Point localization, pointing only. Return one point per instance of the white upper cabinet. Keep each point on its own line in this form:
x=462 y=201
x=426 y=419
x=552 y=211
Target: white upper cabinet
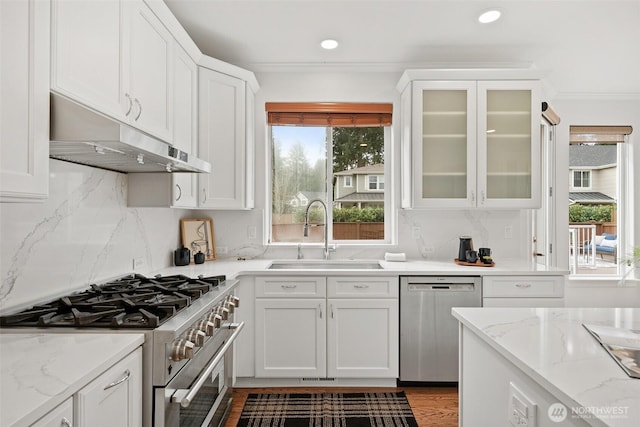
x=114 y=57
x=471 y=144
x=225 y=141
x=24 y=101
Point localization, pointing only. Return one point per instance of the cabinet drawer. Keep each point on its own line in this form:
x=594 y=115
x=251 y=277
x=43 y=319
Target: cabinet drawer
x=291 y=287
x=523 y=302
x=523 y=286
x=56 y=417
x=368 y=287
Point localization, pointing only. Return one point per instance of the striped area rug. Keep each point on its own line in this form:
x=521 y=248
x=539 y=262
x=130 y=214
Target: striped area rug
x=327 y=410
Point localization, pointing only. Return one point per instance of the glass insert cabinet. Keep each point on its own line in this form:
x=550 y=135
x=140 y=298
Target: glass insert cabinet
x=472 y=144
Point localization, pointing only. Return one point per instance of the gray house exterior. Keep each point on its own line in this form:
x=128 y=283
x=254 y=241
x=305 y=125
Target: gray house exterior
x=361 y=187
x=593 y=174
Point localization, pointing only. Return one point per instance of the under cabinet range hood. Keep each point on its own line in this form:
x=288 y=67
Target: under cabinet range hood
x=81 y=135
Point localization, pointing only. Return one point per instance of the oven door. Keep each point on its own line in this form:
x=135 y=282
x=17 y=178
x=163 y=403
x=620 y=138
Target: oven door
x=202 y=398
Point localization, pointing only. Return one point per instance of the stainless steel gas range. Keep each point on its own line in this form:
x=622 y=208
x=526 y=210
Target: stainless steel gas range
x=189 y=330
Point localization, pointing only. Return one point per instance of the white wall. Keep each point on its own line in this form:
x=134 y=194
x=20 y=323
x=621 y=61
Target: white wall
x=82 y=234
x=439 y=229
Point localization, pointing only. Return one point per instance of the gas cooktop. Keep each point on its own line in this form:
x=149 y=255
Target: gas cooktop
x=133 y=301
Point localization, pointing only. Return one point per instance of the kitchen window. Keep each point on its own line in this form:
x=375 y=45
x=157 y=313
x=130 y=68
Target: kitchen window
x=334 y=155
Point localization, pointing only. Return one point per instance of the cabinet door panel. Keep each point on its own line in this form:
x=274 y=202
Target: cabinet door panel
x=57 y=417
x=222 y=140
x=24 y=101
x=149 y=70
x=103 y=403
x=290 y=338
x=508 y=144
x=444 y=144
x=86 y=61
x=362 y=338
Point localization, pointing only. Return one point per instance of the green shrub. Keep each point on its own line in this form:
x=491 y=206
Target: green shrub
x=341 y=215
x=588 y=213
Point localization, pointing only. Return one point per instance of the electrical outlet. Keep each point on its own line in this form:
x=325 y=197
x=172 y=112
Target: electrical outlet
x=222 y=250
x=138 y=263
x=252 y=232
x=416 y=232
x=427 y=250
x=522 y=410
x=508 y=232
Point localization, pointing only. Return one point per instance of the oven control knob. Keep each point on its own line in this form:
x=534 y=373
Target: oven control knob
x=234 y=299
x=182 y=349
x=205 y=326
x=222 y=311
x=229 y=306
x=215 y=318
x=196 y=336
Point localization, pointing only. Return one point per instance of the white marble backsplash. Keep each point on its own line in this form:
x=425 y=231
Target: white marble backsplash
x=83 y=233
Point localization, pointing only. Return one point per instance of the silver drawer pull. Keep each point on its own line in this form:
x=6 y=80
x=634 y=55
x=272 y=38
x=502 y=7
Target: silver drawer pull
x=65 y=422
x=361 y=286
x=289 y=286
x=523 y=285
x=125 y=377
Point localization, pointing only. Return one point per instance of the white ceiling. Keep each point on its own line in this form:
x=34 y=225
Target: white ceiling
x=586 y=47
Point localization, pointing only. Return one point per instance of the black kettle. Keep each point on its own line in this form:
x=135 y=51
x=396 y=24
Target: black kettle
x=182 y=256
x=466 y=244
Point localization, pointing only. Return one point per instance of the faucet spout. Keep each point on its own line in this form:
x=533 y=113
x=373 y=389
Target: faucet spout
x=326 y=226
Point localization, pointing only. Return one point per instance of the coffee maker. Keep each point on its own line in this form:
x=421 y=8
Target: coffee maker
x=466 y=244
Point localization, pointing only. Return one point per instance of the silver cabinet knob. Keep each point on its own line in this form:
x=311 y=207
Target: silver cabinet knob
x=182 y=349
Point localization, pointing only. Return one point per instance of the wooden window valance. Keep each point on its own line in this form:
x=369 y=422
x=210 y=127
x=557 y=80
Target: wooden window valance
x=340 y=114
x=598 y=134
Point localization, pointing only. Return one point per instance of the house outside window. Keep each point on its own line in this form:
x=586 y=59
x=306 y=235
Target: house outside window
x=582 y=179
x=347 y=181
x=376 y=182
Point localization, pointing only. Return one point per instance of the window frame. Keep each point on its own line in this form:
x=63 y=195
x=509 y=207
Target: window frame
x=350 y=185
x=582 y=173
x=390 y=227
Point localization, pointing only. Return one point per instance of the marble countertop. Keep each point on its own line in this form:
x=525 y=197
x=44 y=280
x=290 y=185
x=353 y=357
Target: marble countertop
x=233 y=268
x=40 y=371
x=552 y=347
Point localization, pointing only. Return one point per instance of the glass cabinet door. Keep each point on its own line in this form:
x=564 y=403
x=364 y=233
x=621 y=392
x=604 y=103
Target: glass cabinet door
x=444 y=144
x=508 y=144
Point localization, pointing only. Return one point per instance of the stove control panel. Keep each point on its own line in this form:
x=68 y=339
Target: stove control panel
x=184 y=347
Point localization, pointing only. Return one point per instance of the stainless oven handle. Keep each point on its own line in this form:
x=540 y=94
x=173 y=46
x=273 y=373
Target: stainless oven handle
x=185 y=396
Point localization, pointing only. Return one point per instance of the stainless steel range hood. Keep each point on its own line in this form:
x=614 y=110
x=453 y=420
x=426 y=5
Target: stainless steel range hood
x=83 y=136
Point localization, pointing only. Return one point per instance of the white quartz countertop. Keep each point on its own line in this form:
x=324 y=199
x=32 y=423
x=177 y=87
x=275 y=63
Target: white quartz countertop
x=40 y=371
x=233 y=268
x=555 y=350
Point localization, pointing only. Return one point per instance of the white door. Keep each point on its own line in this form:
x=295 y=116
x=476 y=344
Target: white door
x=185 y=120
x=221 y=140
x=362 y=338
x=115 y=397
x=148 y=65
x=290 y=338
x=86 y=37
x=24 y=100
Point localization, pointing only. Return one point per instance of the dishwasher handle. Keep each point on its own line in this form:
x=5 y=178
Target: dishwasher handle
x=425 y=287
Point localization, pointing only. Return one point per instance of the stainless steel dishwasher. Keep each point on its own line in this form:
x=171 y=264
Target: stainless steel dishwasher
x=428 y=330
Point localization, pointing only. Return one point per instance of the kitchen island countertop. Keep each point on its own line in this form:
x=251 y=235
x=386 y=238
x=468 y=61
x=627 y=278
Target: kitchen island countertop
x=233 y=268
x=40 y=371
x=551 y=346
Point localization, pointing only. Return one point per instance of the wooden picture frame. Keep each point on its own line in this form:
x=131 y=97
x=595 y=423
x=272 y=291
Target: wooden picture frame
x=197 y=235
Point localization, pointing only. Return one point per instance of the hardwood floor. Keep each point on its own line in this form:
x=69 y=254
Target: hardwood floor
x=432 y=406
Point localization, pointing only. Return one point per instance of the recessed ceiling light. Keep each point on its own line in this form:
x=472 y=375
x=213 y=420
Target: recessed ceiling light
x=488 y=16
x=329 y=44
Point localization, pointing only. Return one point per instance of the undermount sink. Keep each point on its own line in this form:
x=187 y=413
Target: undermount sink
x=325 y=265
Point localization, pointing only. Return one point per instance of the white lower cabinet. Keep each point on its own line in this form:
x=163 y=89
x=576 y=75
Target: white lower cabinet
x=114 y=398
x=523 y=291
x=290 y=338
x=62 y=416
x=302 y=334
